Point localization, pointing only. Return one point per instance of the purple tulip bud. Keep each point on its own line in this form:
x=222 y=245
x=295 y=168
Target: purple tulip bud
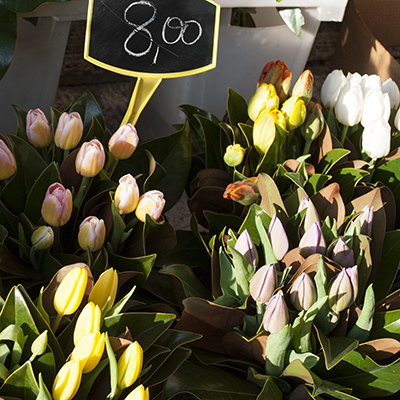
x=245 y=246
x=344 y=289
x=263 y=283
x=342 y=254
x=365 y=218
x=303 y=204
x=312 y=241
x=276 y=315
x=303 y=293
x=278 y=238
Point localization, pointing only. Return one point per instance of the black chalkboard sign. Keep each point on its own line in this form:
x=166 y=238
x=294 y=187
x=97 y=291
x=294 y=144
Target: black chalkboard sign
x=157 y=38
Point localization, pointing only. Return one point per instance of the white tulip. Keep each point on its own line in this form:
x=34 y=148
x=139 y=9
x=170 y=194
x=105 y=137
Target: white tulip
x=376 y=138
x=354 y=78
x=331 y=87
x=376 y=105
x=369 y=82
x=397 y=120
x=349 y=105
x=390 y=87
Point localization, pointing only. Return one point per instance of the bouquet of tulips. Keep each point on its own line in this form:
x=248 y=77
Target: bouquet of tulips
x=78 y=342
x=65 y=199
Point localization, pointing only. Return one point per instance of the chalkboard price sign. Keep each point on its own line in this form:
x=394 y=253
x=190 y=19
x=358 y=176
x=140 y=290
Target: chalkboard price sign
x=153 y=38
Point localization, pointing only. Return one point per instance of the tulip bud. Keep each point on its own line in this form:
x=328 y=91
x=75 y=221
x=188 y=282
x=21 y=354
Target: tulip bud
x=67 y=381
x=264 y=129
x=343 y=289
x=303 y=88
x=342 y=254
x=71 y=290
x=312 y=241
x=105 y=290
x=127 y=194
x=276 y=315
x=88 y=321
x=42 y=237
x=311 y=215
x=314 y=123
x=263 y=98
x=57 y=205
x=376 y=106
x=244 y=192
x=263 y=283
x=295 y=112
x=245 y=246
x=277 y=73
x=365 y=219
x=92 y=233
x=331 y=87
x=390 y=87
x=69 y=131
x=38 y=129
x=124 y=142
x=89 y=350
x=151 y=203
x=90 y=159
x=349 y=105
x=139 y=393
x=376 y=138
x=130 y=365
x=8 y=165
x=278 y=238
x=303 y=293
x=234 y=155
x=370 y=82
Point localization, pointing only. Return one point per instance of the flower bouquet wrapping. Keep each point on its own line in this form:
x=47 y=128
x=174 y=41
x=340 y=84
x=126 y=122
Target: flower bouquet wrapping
x=302 y=245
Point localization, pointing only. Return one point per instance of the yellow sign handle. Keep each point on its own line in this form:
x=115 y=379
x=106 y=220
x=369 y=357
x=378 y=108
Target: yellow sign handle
x=144 y=89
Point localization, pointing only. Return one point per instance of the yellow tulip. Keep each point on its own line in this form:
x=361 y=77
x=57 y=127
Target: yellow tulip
x=90 y=159
x=130 y=365
x=105 y=289
x=234 y=155
x=38 y=129
x=264 y=129
x=42 y=237
x=263 y=98
x=89 y=350
x=127 y=194
x=295 y=112
x=69 y=131
x=8 y=165
x=89 y=321
x=151 y=203
x=92 y=233
x=124 y=142
x=71 y=290
x=57 y=205
x=67 y=381
x=139 y=393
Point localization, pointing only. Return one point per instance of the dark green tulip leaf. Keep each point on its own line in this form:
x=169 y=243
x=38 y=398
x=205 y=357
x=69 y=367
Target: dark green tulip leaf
x=21 y=384
x=237 y=113
x=386 y=325
x=21 y=118
x=44 y=393
x=190 y=283
x=207 y=382
x=8 y=36
x=347 y=178
x=389 y=264
x=146 y=328
x=113 y=368
x=331 y=158
x=335 y=348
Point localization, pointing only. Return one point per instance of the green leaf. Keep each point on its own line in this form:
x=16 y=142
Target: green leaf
x=389 y=265
x=190 y=283
x=347 y=178
x=8 y=37
x=364 y=376
x=117 y=308
x=146 y=328
x=331 y=158
x=335 y=348
x=21 y=384
x=228 y=282
x=293 y=19
x=386 y=325
x=250 y=222
x=207 y=382
x=315 y=183
x=44 y=393
x=237 y=113
x=270 y=390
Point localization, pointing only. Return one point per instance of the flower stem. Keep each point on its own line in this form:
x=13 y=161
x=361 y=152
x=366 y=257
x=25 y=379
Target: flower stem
x=56 y=323
x=307 y=147
x=66 y=154
x=83 y=189
x=344 y=134
x=260 y=313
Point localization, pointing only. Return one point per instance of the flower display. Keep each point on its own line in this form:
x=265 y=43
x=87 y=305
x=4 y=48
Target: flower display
x=57 y=205
x=69 y=130
x=38 y=130
x=92 y=233
x=150 y=203
x=90 y=159
x=123 y=142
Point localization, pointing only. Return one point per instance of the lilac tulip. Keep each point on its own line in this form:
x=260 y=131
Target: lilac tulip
x=276 y=315
x=344 y=289
x=303 y=293
x=245 y=246
x=342 y=254
x=312 y=241
x=263 y=283
x=278 y=238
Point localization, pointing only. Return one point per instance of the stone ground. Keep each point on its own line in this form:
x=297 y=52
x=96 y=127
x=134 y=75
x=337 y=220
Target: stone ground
x=113 y=91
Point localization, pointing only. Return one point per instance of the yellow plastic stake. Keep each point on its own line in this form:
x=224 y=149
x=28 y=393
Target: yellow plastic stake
x=144 y=89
